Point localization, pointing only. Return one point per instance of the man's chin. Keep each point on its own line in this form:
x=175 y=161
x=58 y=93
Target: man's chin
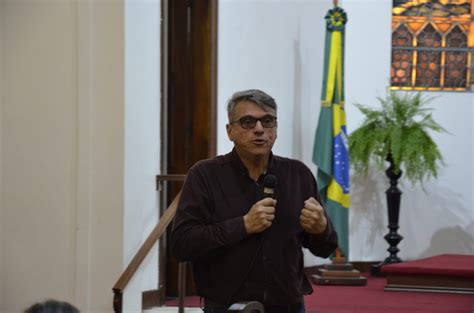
x=260 y=152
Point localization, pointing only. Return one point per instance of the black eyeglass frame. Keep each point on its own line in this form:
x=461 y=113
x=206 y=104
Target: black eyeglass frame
x=254 y=121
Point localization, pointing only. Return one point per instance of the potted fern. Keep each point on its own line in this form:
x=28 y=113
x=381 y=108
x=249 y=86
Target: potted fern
x=397 y=132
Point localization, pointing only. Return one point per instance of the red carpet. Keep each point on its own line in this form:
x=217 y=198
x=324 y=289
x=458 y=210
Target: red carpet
x=445 y=264
x=373 y=299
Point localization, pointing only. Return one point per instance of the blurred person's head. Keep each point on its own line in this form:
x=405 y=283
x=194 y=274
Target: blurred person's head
x=52 y=306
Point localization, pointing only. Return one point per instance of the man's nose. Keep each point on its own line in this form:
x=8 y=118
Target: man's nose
x=258 y=126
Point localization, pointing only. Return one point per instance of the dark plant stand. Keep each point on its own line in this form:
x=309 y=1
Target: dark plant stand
x=393 y=203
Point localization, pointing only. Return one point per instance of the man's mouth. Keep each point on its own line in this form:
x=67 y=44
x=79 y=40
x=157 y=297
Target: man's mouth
x=259 y=141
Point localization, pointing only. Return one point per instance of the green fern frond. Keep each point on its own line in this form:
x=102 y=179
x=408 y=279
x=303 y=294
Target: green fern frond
x=400 y=128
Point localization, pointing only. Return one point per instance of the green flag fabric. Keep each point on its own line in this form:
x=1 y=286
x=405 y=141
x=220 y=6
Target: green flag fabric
x=330 y=152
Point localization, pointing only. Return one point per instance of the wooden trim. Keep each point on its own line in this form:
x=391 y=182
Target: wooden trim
x=361 y=266
x=117 y=302
x=164 y=98
x=164 y=47
x=191 y=104
x=213 y=77
x=364 y=267
x=151 y=299
x=427 y=280
x=170 y=177
x=160 y=179
x=429 y=289
x=159 y=229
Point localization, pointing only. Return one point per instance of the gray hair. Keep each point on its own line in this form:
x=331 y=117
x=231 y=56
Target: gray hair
x=52 y=306
x=260 y=98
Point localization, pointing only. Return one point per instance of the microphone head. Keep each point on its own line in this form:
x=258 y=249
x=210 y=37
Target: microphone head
x=269 y=184
x=270 y=181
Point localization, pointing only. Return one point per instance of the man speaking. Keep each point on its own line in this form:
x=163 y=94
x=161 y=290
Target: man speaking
x=244 y=217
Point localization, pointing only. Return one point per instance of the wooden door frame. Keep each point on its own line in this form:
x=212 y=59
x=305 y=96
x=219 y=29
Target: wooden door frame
x=202 y=34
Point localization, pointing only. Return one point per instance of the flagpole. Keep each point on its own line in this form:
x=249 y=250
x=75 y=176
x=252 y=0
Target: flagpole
x=330 y=134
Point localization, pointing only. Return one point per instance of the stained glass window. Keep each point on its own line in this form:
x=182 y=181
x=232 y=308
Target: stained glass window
x=432 y=44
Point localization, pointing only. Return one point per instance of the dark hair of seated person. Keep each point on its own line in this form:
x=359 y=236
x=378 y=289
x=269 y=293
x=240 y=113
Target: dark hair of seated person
x=52 y=306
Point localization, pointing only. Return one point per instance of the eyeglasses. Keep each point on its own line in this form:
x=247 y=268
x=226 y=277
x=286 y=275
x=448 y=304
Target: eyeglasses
x=249 y=122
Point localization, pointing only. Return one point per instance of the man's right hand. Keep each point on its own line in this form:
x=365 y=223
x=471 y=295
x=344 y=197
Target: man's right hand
x=260 y=216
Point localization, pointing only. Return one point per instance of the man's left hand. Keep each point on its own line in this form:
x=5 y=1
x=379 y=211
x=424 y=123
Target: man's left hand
x=312 y=218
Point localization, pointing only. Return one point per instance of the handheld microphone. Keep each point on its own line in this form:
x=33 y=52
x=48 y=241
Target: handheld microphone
x=269 y=184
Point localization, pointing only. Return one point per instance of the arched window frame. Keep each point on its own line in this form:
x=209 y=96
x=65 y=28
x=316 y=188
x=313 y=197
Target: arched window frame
x=444 y=26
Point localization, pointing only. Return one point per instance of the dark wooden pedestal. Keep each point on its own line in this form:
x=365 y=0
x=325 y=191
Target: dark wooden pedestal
x=339 y=273
x=393 y=203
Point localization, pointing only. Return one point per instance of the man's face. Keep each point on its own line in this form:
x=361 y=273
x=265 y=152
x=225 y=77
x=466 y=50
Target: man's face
x=256 y=141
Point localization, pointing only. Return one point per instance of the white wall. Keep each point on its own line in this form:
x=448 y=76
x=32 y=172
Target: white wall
x=440 y=218
x=277 y=46
x=79 y=148
x=105 y=128
x=62 y=143
x=38 y=125
x=142 y=135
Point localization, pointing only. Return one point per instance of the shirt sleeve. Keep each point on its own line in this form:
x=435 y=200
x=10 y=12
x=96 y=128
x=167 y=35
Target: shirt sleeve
x=194 y=237
x=324 y=244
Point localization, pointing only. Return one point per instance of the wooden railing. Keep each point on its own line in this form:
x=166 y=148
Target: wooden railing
x=155 y=235
x=152 y=239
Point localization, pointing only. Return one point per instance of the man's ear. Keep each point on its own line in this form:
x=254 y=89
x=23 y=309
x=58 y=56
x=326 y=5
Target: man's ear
x=228 y=127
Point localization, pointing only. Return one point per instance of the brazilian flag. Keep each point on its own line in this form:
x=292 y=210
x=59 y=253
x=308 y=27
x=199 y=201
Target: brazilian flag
x=330 y=153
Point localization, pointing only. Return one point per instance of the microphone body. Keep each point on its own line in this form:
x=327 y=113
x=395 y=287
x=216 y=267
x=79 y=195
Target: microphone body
x=269 y=184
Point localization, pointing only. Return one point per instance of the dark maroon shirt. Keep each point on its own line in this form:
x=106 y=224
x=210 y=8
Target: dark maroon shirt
x=228 y=264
